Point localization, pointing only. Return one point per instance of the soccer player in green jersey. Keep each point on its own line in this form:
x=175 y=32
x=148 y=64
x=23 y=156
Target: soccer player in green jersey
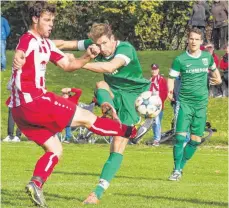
x=192 y=66
x=123 y=82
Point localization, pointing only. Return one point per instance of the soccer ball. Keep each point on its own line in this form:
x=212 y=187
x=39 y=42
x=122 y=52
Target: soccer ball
x=148 y=105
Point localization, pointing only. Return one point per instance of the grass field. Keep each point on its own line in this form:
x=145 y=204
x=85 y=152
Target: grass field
x=140 y=183
x=142 y=180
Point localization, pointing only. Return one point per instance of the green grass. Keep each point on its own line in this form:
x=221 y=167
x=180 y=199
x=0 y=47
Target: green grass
x=140 y=183
x=142 y=179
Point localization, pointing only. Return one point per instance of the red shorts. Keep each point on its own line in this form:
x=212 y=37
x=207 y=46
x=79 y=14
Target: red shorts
x=44 y=117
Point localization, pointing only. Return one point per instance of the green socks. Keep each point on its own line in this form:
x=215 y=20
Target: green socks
x=102 y=96
x=189 y=151
x=110 y=168
x=178 y=150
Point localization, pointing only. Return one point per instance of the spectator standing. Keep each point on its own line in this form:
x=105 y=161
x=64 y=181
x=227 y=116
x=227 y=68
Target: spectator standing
x=220 y=23
x=200 y=15
x=10 y=130
x=158 y=87
x=66 y=93
x=224 y=67
x=5 y=31
x=11 y=123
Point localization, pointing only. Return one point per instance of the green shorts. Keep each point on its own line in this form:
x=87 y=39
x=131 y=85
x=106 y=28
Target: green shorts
x=124 y=104
x=191 y=118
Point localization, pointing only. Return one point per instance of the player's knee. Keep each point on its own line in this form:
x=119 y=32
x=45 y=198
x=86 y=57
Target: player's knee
x=53 y=145
x=102 y=85
x=195 y=138
x=180 y=137
x=58 y=152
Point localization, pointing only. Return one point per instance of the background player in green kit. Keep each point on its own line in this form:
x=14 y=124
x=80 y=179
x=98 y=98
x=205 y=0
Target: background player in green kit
x=123 y=82
x=193 y=67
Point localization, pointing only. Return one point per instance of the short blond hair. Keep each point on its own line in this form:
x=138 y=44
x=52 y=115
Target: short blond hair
x=98 y=30
x=197 y=31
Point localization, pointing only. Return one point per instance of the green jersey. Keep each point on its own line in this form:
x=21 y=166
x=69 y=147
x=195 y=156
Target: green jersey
x=193 y=72
x=128 y=77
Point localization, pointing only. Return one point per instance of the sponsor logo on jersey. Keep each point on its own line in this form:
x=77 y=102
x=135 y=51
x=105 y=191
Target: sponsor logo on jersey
x=205 y=61
x=43 y=66
x=195 y=71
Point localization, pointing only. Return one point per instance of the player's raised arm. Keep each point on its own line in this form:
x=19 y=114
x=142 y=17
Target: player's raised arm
x=70 y=63
x=105 y=67
x=67 y=61
x=66 y=45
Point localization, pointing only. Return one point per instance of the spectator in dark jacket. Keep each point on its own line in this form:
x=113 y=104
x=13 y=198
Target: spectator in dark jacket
x=200 y=15
x=5 y=31
x=220 y=23
x=158 y=87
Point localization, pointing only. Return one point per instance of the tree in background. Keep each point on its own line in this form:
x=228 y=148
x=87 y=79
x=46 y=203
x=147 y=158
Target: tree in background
x=148 y=25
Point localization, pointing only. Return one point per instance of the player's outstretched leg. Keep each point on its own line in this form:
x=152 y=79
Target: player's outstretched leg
x=102 y=126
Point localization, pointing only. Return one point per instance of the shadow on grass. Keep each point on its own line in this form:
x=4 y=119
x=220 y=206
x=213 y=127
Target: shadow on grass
x=18 y=198
x=194 y=201
x=13 y=198
x=95 y=174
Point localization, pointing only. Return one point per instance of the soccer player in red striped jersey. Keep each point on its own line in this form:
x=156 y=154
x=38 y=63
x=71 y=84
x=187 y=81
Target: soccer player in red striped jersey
x=40 y=114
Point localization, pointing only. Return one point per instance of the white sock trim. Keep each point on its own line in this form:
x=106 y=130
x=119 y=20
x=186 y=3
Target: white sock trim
x=104 y=184
x=50 y=162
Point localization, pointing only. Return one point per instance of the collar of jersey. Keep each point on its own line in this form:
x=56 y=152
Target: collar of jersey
x=108 y=57
x=37 y=37
x=194 y=56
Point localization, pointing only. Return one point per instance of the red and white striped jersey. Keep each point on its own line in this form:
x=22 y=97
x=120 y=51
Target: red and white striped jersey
x=28 y=83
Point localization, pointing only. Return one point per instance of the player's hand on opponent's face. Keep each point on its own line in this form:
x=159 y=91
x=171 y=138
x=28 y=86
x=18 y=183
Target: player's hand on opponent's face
x=93 y=51
x=19 y=60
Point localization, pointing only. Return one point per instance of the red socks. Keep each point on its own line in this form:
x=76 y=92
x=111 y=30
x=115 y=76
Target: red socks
x=109 y=127
x=44 y=168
